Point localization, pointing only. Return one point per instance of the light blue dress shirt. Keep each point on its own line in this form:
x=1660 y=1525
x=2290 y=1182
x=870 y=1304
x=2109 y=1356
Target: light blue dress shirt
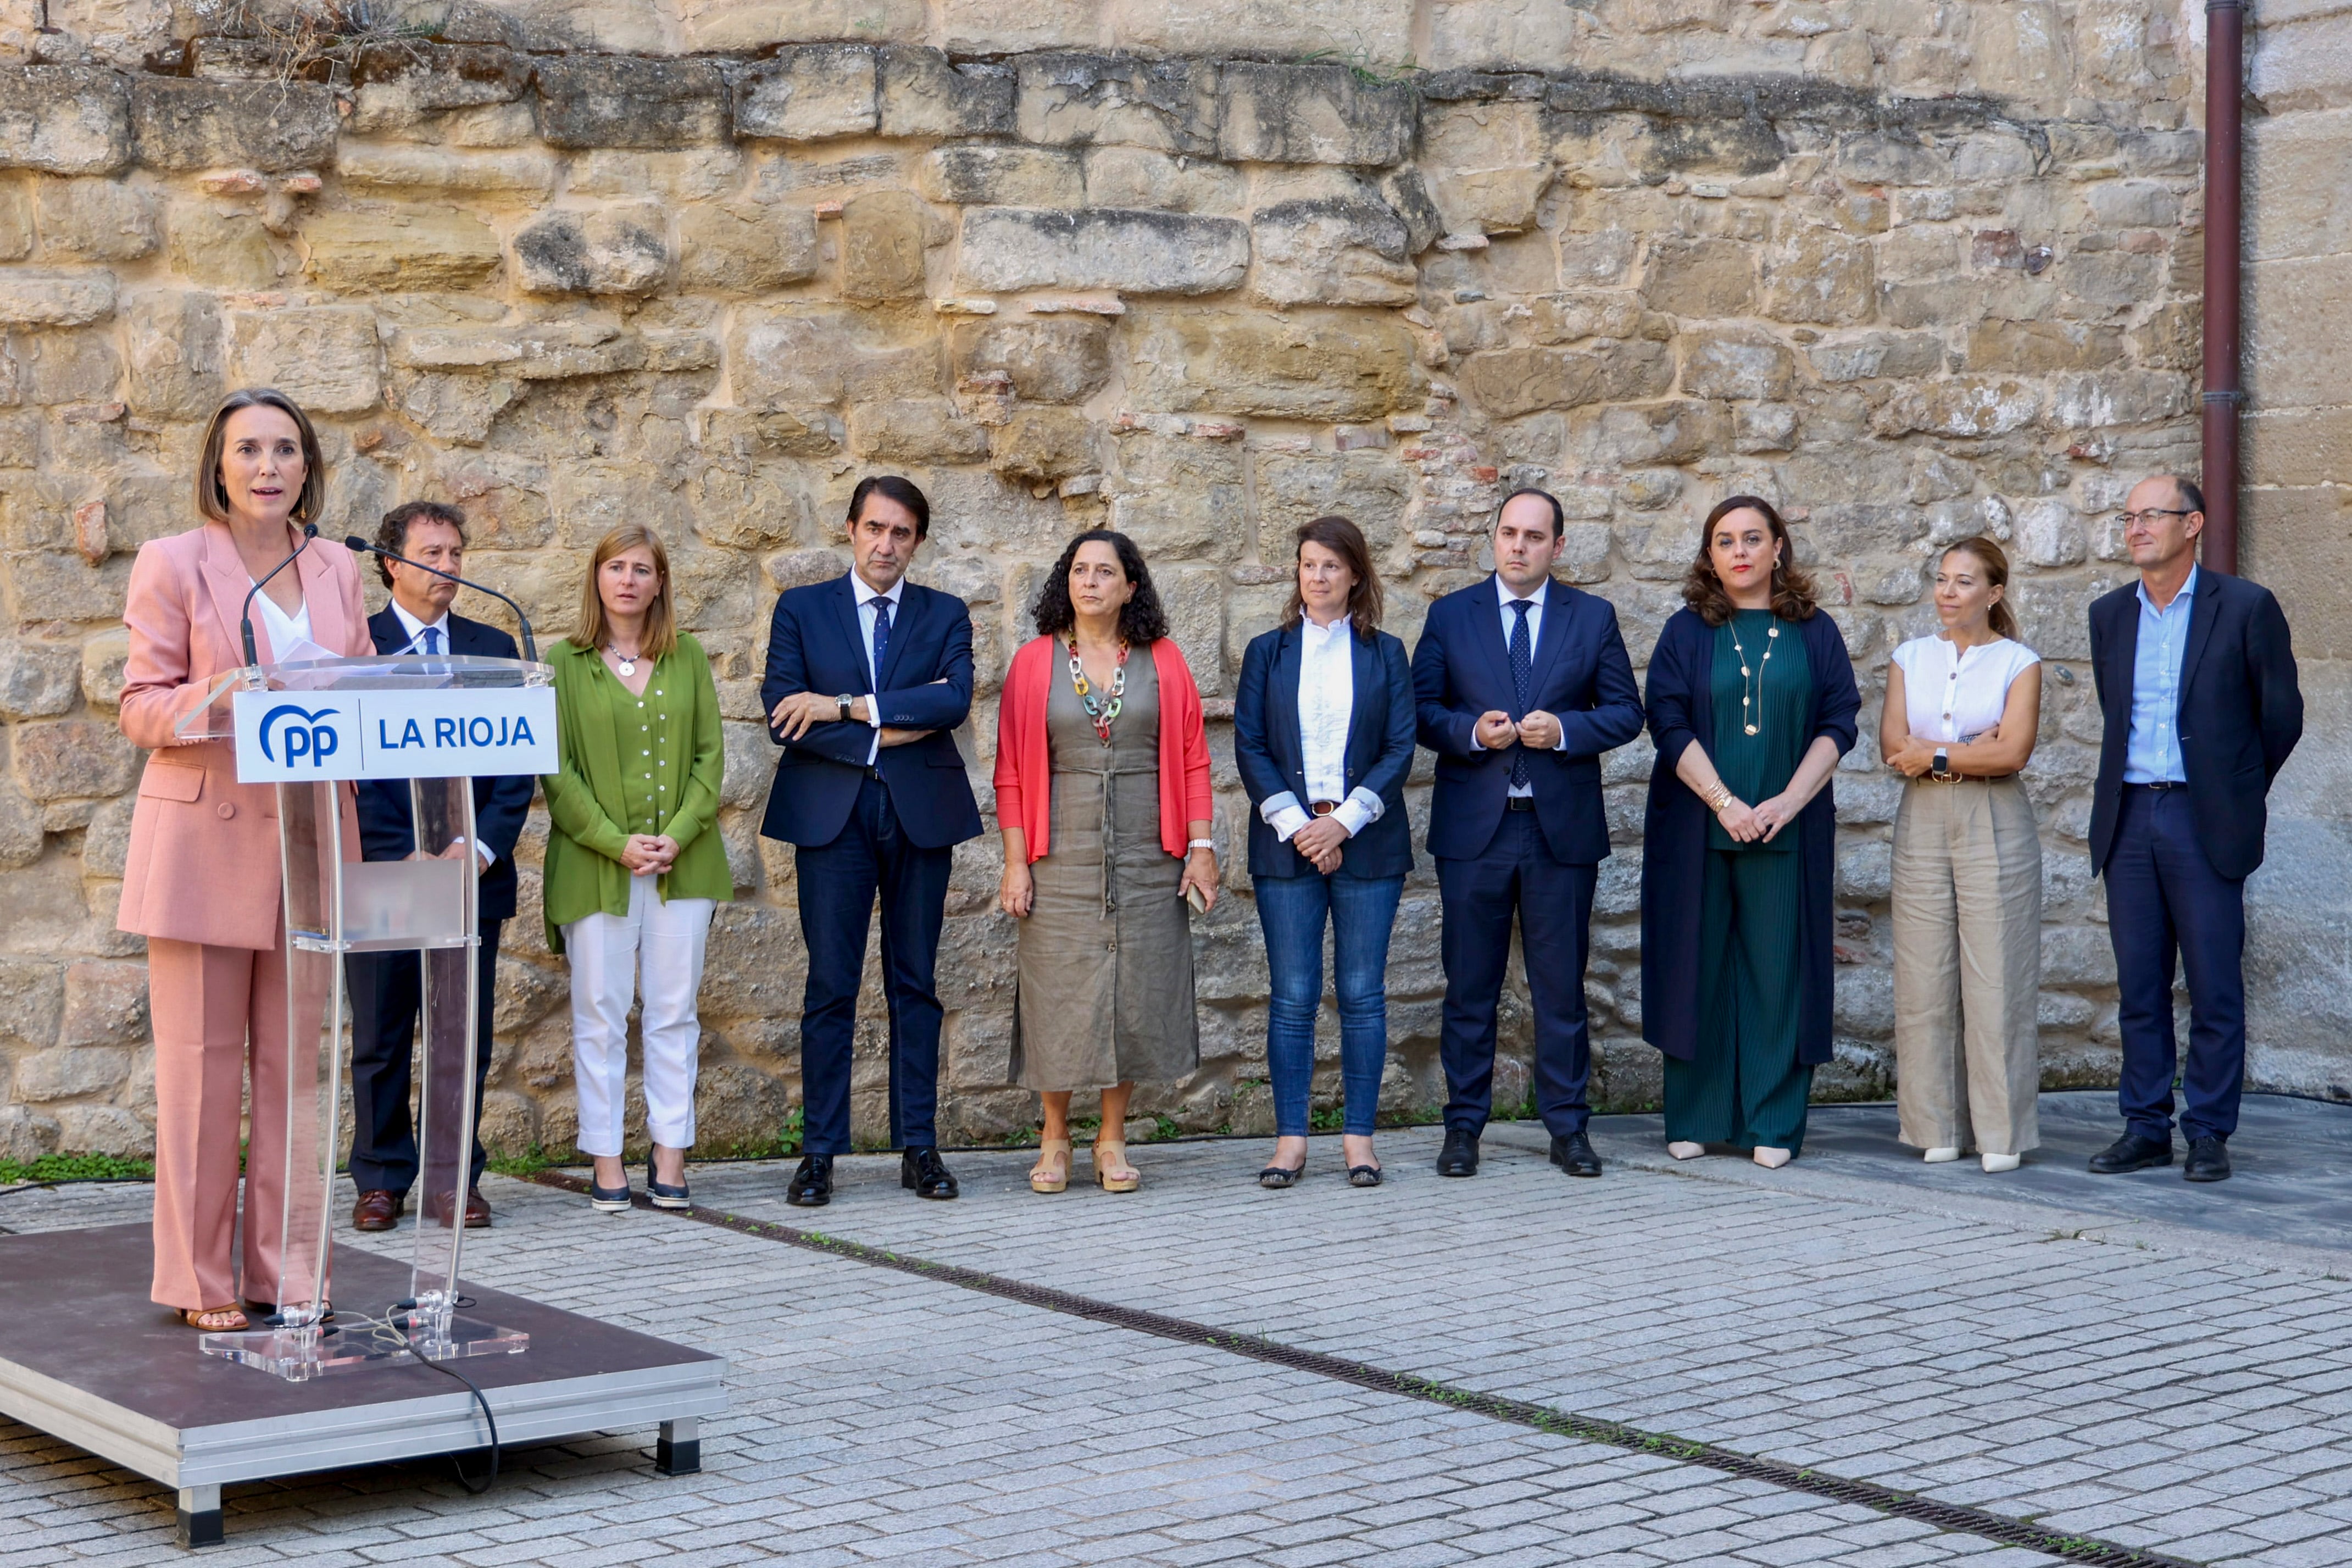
x=2152 y=753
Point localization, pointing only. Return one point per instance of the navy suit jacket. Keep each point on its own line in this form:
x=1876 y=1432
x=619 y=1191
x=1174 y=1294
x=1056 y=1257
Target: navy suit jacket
x=815 y=644
x=387 y=827
x=1462 y=668
x=2241 y=713
x=1270 y=754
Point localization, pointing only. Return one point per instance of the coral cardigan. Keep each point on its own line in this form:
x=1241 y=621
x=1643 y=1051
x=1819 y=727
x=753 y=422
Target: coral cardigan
x=1024 y=795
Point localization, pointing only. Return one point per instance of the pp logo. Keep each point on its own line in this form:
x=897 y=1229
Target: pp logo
x=308 y=738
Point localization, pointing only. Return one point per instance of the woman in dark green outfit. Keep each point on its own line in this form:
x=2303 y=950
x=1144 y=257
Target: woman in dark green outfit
x=634 y=863
x=1751 y=700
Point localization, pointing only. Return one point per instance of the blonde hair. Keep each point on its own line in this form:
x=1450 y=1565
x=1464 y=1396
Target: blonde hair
x=212 y=496
x=1995 y=562
x=661 y=626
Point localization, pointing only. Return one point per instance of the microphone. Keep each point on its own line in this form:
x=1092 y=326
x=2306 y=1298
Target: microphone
x=245 y=618
x=529 y=648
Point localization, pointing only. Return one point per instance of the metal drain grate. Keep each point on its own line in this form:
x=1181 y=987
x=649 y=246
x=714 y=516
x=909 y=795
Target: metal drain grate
x=2087 y=1550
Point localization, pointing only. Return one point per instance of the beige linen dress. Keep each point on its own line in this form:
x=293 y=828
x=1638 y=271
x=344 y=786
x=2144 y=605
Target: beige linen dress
x=1105 y=989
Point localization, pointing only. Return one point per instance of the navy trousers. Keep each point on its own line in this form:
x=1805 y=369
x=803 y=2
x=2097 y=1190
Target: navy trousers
x=1553 y=900
x=838 y=882
x=386 y=990
x=2166 y=901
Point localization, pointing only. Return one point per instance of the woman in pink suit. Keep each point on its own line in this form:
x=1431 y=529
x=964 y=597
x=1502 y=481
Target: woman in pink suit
x=202 y=882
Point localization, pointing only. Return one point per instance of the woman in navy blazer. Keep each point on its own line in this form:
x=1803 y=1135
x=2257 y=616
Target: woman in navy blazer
x=1323 y=732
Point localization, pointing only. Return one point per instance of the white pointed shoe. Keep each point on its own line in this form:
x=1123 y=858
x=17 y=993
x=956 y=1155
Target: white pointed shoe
x=1772 y=1159
x=1942 y=1156
x=1998 y=1162
x=1685 y=1150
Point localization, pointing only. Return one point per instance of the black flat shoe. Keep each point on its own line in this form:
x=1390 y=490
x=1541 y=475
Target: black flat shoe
x=1363 y=1175
x=922 y=1172
x=812 y=1185
x=1460 y=1155
x=1574 y=1154
x=1273 y=1178
x=664 y=1195
x=2208 y=1161
x=2131 y=1153
x=608 y=1200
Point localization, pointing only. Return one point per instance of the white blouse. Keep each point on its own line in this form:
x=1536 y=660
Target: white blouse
x=1955 y=696
x=290 y=636
x=1326 y=702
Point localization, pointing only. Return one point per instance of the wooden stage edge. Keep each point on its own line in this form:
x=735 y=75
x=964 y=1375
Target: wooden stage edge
x=86 y=1357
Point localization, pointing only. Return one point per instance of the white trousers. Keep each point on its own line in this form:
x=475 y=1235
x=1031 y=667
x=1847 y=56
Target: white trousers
x=658 y=948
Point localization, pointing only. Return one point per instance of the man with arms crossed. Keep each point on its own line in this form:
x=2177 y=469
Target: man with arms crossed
x=1522 y=683
x=2197 y=685
x=866 y=674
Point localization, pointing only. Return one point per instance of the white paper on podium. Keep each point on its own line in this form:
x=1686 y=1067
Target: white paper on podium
x=302 y=737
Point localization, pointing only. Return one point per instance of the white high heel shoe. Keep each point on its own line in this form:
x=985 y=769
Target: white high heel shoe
x=1772 y=1159
x=1996 y=1164
x=1685 y=1150
x=1942 y=1156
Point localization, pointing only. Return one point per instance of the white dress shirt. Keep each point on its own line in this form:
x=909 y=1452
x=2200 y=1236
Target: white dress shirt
x=1327 y=704
x=1535 y=640
x=866 y=618
x=1953 y=696
x=416 y=630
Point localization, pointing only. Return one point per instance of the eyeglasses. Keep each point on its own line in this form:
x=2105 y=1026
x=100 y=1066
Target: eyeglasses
x=2150 y=514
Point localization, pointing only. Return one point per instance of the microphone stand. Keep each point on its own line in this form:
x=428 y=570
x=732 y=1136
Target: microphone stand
x=245 y=616
x=529 y=648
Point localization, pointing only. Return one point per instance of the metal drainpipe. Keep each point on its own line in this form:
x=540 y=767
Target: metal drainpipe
x=2224 y=90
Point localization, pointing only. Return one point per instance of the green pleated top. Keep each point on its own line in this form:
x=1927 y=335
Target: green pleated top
x=647 y=763
x=1757 y=767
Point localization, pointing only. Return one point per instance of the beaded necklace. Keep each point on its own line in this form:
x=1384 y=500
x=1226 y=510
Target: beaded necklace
x=1100 y=715
x=1751 y=714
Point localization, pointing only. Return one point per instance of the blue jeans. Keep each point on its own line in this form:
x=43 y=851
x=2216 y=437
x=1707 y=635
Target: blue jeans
x=1362 y=909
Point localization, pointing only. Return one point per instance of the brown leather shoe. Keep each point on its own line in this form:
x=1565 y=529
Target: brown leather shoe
x=377 y=1210
x=478 y=1210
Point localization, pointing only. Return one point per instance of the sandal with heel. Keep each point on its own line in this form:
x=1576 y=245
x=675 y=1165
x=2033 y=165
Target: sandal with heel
x=1112 y=1173
x=226 y=1319
x=1045 y=1178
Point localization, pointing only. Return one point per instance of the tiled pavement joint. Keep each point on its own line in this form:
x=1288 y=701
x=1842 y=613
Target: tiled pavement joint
x=1549 y=1419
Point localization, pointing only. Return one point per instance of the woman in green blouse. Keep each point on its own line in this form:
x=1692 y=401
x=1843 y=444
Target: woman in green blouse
x=635 y=863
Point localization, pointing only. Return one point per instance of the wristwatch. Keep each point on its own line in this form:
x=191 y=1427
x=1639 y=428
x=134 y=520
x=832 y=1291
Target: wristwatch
x=844 y=700
x=1943 y=769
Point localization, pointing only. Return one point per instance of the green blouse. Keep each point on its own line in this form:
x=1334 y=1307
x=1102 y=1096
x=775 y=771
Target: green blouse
x=647 y=764
x=1758 y=766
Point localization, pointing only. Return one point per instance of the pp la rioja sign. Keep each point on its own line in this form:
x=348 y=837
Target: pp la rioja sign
x=301 y=737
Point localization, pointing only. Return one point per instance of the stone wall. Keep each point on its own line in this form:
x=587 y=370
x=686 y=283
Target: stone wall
x=1914 y=271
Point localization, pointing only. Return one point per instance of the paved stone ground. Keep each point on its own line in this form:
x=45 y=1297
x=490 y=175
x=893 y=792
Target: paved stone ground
x=2162 y=1385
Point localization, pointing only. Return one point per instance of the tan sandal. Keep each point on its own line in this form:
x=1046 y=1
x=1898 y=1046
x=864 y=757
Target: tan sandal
x=1045 y=1178
x=226 y=1319
x=1112 y=1173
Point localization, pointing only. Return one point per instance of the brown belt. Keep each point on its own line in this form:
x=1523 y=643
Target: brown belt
x=1966 y=778
x=1322 y=807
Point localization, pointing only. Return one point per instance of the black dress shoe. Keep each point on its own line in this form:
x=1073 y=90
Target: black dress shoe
x=1574 y=1154
x=2208 y=1161
x=1460 y=1155
x=2132 y=1152
x=812 y=1185
x=922 y=1172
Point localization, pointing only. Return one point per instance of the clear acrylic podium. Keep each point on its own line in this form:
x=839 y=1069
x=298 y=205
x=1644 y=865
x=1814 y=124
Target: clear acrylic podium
x=317 y=712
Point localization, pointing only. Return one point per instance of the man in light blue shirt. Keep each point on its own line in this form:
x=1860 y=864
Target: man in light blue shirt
x=2152 y=751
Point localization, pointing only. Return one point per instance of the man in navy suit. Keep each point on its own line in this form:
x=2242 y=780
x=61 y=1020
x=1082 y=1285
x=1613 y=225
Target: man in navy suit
x=2197 y=685
x=386 y=988
x=1521 y=683
x=866 y=674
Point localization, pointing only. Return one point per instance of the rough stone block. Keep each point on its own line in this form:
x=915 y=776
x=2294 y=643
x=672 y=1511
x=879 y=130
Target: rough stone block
x=58 y=585
x=219 y=245
x=1487 y=164
x=1040 y=445
x=1873 y=355
x=922 y=93
x=914 y=430
x=1660 y=433
x=1006 y=249
x=1964 y=406
x=2039 y=347
x=324 y=357
x=25 y=1136
x=1372 y=488
x=1311 y=364
x=745 y=248
x=1053 y=360
x=98 y=220
x=1332 y=252
x=56 y=298
x=989 y=173
x=754 y=24
x=795 y=356
x=1180 y=498
x=621 y=250
x=1737 y=364
x=185 y=123
x=73 y=759
x=53 y=1075
x=37 y=681
x=809 y=94
x=883 y=237
x=1085 y=99
x=1377 y=32
x=64 y=118
x=616 y=101
x=72 y=366
x=396 y=86
x=1136 y=177
x=396 y=251
x=103 y=1129
x=1319 y=113
x=16 y=225
x=2121 y=397
x=437 y=168
x=1824 y=277
x=102 y=661
x=105 y=1005
x=1699 y=278
x=2050 y=534
x=1510 y=381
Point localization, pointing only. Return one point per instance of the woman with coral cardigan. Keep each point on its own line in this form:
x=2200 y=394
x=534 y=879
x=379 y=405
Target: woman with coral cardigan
x=1102 y=791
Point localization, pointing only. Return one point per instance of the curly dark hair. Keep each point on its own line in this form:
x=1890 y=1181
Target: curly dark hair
x=1792 y=590
x=1141 y=621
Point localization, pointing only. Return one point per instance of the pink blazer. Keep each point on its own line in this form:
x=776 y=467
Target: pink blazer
x=204 y=863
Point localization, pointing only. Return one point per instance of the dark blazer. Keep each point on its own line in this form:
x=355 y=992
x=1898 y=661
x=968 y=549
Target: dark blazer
x=1270 y=754
x=814 y=644
x=387 y=827
x=2241 y=713
x=1674 y=840
x=1462 y=668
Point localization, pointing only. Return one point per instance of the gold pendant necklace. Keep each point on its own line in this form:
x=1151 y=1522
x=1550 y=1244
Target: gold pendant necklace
x=1752 y=711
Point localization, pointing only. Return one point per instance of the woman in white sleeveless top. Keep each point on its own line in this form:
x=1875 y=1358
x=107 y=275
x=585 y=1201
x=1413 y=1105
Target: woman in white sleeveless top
x=1961 y=710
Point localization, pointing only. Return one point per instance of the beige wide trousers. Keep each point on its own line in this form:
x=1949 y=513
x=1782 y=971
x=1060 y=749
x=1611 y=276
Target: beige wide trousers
x=1967 y=966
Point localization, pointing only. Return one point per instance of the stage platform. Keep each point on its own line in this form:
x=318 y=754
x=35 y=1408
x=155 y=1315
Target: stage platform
x=86 y=1356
